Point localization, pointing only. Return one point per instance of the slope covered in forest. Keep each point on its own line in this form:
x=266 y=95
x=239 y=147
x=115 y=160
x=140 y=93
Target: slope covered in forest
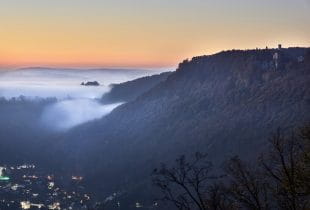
x=128 y=91
x=223 y=104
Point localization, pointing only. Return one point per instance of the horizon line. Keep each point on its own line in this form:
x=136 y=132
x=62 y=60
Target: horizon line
x=168 y=68
x=132 y=67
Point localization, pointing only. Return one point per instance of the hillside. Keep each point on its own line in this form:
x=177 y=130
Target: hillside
x=130 y=90
x=224 y=104
x=22 y=137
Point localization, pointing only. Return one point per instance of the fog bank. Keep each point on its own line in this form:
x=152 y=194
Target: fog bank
x=76 y=104
x=63 y=83
x=66 y=114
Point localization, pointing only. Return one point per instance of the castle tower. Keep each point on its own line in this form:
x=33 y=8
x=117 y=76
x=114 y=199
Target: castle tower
x=276 y=59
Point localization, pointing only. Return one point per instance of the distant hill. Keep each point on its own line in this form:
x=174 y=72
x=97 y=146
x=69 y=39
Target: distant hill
x=115 y=70
x=224 y=104
x=130 y=90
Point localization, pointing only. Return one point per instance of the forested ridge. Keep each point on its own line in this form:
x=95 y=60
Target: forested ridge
x=224 y=104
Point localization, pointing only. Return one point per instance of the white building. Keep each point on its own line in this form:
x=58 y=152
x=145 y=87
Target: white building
x=1 y=170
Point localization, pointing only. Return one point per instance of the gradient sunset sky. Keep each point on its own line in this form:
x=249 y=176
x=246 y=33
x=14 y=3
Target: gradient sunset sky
x=143 y=33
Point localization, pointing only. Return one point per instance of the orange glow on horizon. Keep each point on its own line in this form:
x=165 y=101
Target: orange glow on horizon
x=137 y=33
x=121 y=61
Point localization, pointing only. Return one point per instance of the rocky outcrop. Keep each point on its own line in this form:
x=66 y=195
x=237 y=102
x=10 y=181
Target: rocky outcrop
x=94 y=83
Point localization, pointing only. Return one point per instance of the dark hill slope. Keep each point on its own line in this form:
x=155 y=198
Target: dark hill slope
x=128 y=91
x=223 y=104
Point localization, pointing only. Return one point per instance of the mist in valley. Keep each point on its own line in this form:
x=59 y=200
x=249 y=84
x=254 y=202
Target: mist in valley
x=67 y=114
x=73 y=104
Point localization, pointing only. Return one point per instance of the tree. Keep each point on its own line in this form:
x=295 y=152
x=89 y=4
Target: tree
x=288 y=170
x=279 y=180
x=247 y=186
x=185 y=184
x=218 y=198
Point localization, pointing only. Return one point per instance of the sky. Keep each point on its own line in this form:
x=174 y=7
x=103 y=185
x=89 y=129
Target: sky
x=143 y=33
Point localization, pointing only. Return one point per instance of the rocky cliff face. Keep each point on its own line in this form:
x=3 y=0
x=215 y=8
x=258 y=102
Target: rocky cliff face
x=224 y=104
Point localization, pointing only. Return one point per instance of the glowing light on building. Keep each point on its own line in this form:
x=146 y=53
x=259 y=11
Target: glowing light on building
x=54 y=206
x=25 y=205
x=139 y=205
x=51 y=185
x=77 y=178
x=2 y=177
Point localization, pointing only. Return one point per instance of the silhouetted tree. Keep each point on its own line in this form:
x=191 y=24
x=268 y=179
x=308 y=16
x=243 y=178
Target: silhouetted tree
x=287 y=169
x=218 y=198
x=247 y=186
x=185 y=184
x=280 y=180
